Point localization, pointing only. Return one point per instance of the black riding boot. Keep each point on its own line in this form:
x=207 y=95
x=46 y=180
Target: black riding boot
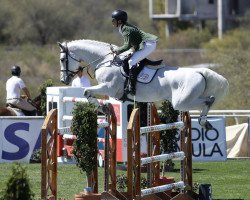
x=132 y=77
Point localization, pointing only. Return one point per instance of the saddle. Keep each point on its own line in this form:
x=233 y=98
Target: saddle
x=139 y=70
x=25 y=112
x=140 y=65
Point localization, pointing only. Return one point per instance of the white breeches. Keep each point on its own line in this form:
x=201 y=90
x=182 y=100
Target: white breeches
x=22 y=104
x=149 y=47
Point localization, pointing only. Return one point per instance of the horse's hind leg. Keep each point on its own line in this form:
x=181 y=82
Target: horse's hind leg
x=203 y=117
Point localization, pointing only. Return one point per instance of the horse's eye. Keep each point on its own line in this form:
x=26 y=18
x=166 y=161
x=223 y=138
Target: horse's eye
x=62 y=59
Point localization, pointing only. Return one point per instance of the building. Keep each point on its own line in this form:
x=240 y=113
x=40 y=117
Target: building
x=226 y=12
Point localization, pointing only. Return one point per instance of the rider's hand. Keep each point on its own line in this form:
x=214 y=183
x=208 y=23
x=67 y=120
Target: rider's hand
x=113 y=50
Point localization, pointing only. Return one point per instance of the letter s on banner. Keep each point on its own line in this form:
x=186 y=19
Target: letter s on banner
x=11 y=137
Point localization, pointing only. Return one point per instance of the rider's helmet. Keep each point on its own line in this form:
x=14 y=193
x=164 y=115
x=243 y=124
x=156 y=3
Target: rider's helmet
x=120 y=15
x=15 y=70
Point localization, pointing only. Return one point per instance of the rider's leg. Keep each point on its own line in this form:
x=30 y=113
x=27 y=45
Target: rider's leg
x=25 y=105
x=149 y=47
x=132 y=77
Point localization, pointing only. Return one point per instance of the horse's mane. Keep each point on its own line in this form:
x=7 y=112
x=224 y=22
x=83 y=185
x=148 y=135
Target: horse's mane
x=96 y=46
x=91 y=43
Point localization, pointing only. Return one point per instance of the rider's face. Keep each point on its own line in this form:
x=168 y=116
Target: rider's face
x=115 y=22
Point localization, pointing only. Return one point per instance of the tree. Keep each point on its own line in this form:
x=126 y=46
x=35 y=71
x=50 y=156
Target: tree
x=18 y=185
x=84 y=126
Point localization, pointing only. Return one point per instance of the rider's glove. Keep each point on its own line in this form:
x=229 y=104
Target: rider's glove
x=113 y=50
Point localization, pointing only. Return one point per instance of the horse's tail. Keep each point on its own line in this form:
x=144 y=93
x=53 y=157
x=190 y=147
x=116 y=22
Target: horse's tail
x=216 y=84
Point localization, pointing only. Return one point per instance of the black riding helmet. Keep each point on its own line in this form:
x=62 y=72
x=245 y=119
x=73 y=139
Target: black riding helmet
x=16 y=70
x=120 y=15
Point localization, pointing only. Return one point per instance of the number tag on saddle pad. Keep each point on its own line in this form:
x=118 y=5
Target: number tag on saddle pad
x=146 y=75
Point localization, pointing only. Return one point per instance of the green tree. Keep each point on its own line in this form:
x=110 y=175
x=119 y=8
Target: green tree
x=43 y=94
x=168 y=137
x=18 y=185
x=84 y=126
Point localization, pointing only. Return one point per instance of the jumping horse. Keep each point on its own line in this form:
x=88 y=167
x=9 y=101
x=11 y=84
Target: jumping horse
x=185 y=88
x=10 y=110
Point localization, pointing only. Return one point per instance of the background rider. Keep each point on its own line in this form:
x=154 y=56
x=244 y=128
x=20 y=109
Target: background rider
x=14 y=87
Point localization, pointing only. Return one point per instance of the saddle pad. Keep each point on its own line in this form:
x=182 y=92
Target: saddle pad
x=146 y=75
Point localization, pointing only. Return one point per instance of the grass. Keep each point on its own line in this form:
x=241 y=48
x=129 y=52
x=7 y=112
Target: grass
x=229 y=180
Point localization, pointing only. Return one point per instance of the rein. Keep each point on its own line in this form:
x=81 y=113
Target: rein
x=87 y=66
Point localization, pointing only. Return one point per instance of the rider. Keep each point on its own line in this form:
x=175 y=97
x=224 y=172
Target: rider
x=14 y=86
x=142 y=43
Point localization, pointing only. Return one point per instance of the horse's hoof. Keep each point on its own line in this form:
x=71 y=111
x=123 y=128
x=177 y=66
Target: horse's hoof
x=204 y=123
x=208 y=126
x=210 y=100
x=86 y=94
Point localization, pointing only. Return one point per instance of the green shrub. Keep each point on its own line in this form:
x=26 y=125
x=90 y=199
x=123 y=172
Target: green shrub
x=84 y=126
x=190 y=38
x=233 y=55
x=18 y=185
x=168 y=137
x=122 y=182
x=43 y=93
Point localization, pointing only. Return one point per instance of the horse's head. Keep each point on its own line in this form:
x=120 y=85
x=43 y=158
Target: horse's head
x=68 y=63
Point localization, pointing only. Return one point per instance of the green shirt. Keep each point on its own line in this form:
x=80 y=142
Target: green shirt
x=134 y=37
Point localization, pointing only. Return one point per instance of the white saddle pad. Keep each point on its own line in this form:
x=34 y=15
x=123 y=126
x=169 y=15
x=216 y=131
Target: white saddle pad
x=146 y=75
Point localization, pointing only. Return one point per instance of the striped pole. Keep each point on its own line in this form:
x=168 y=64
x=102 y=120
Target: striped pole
x=175 y=155
x=161 y=127
x=162 y=188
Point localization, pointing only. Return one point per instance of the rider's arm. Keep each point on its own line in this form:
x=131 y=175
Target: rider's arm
x=26 y=92
x=126 y=46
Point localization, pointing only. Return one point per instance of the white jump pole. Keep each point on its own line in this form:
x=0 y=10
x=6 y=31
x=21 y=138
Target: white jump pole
x=162 y=188
x=161 y=127
x=162 y=157
x=74 y=99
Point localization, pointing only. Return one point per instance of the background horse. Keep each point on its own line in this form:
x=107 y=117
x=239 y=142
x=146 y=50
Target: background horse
x=7 y=111
x=185 y=88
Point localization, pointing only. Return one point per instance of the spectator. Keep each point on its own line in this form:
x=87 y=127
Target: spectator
x=80 y=80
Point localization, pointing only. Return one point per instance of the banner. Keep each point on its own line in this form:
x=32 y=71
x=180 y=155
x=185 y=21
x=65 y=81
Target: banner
x=19 y=137
x=209 y=145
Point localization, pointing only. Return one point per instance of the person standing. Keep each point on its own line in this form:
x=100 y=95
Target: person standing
x=14 y=87
x=142 y=43
x=80 y=80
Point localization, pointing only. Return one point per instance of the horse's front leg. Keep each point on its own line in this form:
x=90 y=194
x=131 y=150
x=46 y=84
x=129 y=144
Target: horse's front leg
x=203 y=116
x=100 y=89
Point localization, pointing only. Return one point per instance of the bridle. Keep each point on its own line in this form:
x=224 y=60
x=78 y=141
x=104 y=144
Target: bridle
x=66 y=51
x=72 y=73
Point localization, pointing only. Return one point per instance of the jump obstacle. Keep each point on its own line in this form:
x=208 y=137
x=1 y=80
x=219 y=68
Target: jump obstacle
x=155 y=190
x=50 y=133
x=65 y=106
x=49 y=162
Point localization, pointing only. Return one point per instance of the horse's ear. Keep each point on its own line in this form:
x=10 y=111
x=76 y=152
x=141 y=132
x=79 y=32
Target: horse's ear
x=61 y=46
